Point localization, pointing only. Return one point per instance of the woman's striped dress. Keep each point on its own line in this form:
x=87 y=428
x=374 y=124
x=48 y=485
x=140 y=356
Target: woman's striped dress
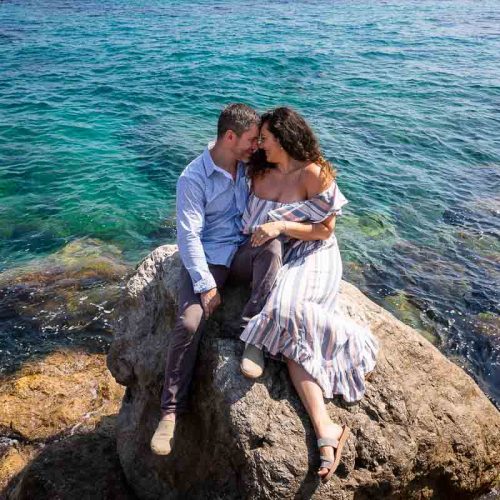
x=300 y=320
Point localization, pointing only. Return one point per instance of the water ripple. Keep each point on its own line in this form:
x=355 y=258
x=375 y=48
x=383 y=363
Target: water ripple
x=103 y=103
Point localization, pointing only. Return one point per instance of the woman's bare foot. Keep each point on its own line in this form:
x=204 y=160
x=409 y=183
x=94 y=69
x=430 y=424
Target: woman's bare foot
x=332 y=431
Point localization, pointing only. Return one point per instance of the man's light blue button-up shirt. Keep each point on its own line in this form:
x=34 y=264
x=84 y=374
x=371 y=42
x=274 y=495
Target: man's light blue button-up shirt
x=209 y=209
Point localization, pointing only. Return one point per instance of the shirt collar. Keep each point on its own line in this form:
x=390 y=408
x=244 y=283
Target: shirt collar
x=211 y=167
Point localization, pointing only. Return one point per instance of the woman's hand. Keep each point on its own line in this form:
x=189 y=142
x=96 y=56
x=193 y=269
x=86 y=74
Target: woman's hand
x=267 y=232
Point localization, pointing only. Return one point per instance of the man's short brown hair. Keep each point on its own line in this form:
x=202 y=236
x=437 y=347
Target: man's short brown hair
x=236 y=117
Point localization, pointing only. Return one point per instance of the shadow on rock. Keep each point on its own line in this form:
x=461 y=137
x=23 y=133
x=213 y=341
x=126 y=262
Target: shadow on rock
x=78 y=467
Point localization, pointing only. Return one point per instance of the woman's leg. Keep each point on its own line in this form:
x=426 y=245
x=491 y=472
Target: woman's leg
x=311 y=396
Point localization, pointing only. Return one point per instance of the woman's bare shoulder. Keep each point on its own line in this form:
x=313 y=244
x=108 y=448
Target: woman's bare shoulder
x=315 y=179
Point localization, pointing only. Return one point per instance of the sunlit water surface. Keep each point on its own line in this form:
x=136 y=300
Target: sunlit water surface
x=102 y=104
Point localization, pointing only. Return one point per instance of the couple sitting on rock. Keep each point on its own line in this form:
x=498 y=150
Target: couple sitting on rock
x=259 y=207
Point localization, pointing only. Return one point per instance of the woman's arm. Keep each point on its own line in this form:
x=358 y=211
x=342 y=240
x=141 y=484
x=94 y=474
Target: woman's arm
x=314 y=182
x=306 y=231
x=309 y=231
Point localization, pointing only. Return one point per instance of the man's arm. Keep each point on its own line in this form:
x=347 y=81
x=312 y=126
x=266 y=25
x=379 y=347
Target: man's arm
x=190 y=222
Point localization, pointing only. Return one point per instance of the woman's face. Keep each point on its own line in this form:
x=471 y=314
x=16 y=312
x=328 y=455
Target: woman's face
x=270 y=145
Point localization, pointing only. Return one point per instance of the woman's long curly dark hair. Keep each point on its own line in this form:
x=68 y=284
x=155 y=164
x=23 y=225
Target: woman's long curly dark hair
x=295 y=137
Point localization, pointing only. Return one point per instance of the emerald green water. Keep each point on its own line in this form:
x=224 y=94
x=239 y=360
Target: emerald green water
x=103 y=104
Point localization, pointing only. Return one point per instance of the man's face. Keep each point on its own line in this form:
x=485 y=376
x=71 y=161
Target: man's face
x=246 y=143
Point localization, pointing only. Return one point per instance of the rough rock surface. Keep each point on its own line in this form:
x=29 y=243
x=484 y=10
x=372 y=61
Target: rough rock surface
x=14 y=457
x=59 y=395
x=423 y=430
x=57 y=438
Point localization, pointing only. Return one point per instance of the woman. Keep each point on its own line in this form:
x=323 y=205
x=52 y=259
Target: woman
x=294 y=197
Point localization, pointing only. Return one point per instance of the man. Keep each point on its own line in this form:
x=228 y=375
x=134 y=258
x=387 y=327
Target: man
x=211 y=196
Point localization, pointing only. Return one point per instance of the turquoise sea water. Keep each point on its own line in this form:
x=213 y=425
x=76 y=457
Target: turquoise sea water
x=102 y=104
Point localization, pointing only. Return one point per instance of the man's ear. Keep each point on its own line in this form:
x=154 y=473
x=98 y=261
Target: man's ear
x=229 y=136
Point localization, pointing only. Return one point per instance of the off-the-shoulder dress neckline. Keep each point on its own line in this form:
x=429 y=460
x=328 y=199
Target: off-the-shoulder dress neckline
x=297 y=201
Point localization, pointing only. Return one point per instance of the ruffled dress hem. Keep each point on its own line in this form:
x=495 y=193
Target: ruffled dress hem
x=264 y=333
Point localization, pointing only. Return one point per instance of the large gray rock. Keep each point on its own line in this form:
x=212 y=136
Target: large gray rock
x=423 y=430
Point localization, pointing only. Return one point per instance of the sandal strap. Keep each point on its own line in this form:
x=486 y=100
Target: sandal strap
x=328 y=442
x=326 y=463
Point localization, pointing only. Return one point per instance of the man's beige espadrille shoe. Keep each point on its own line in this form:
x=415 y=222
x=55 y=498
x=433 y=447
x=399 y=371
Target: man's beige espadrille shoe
x=163 y=438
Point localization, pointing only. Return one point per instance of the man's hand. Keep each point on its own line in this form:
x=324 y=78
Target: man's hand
x=210 y=301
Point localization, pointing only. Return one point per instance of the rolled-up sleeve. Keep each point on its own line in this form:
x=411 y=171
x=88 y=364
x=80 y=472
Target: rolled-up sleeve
x=190 y=222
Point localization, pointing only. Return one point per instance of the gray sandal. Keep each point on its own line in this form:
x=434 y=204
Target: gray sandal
x=336 y=444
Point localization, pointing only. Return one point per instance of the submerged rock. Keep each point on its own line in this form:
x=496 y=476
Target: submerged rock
x=376 y=225
x=410 y=314
x=488 y=323
x=458 y=216
x=484 y=245
x=64 y=299
x=423 y=430
x=82 y=259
